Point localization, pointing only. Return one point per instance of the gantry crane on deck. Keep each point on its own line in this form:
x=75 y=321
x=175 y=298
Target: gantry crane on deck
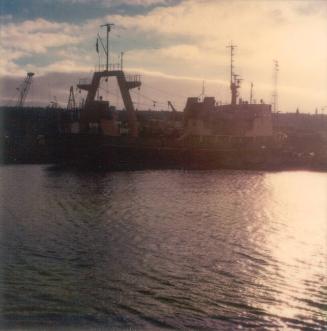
x=125 y=83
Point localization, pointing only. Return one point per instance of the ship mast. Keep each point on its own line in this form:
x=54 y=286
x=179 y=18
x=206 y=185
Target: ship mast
x=275 y=92
x=89 y=114
x=108 y=25
x=251 y=93
x=234 y=80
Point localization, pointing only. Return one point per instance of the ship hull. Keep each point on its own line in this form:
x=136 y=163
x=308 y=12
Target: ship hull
x=85 y=151
x=122 y=153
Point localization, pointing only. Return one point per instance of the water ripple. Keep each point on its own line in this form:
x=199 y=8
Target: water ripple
x=163 y=249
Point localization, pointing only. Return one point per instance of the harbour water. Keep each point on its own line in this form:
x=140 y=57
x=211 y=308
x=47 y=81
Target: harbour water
x=163 y=249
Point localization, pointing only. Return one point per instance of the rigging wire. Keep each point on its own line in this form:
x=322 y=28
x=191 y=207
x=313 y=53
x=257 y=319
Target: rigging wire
x=172 y=96
x=165 y=92
x=148 y=102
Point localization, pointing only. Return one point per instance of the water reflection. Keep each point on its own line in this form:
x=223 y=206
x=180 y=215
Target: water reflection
x=298 y=243
x=219 y=249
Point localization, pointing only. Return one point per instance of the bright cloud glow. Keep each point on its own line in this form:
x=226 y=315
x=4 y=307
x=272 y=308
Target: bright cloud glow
x=187 y=41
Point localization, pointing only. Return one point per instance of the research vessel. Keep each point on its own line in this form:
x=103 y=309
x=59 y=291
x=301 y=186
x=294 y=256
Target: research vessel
x=206 y=135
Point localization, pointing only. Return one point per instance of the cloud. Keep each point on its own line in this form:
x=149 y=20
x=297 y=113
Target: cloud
x=311 y=8
x=111 y=3
x=22 y=40
x=175 y=77
x=5 y=18
x=43 y=89
x=201 y=18
x=144 y=2
x=156 y=86
x=37 y=36
x=187 y=42
x=62 y=66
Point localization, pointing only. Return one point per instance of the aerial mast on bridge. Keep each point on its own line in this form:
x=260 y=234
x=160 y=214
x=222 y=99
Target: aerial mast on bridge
x=251 y=93
x=235 y=82
x=275 y=92
x=108 y=25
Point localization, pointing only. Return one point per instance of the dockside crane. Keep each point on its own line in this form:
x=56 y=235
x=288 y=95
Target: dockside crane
x=71 y=105
x=171 y=106
x=24 y=88
x=174 y=111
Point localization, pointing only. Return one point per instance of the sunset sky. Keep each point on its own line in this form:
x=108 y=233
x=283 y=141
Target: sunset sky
x=173 y=44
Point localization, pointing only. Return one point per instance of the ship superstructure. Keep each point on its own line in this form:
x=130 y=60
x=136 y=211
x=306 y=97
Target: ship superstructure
x=206 y=120
x=96 y=115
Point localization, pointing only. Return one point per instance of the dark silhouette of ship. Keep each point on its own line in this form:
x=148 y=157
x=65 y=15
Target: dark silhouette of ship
x=206 y=135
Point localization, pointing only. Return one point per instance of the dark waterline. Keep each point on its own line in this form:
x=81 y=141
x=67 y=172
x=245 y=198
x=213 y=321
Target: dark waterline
x=163 y=249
